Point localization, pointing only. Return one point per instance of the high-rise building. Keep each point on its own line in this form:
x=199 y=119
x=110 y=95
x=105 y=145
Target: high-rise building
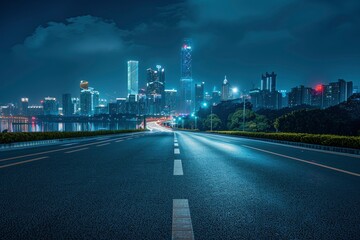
x=96 y=99
x=76 y=105
x=121 y=105
x=267 y=96
x=155 y=89
x=336 y=92
x=170 y=101
x=186 y=97
x=50 y=106
x=225 y=90
x=268 y=82
x=89 y=99
x=113 y=108
x=86 y=102
x=133 y=77
x=24 y=106
x=199 y=95
x=300 y=96
x=132 y=104
x=67 y=105
x=35 y=110
x=284 y=98
x=215 y=97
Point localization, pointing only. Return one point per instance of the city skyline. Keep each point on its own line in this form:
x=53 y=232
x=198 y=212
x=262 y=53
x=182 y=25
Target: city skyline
x=108 y=41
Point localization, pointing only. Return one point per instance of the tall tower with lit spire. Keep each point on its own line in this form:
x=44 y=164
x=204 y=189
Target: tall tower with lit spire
x=186 y=90
x=225 y=90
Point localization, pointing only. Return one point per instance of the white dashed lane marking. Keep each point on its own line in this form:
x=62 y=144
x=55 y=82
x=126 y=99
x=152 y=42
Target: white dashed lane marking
x=176 y=151
x=305 y=161
x=102 y=144
x=22 y=162
x=178 y=169
x=181 y=220
x=77 y=150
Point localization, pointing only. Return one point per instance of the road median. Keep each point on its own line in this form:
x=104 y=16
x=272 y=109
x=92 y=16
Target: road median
x=305 y=139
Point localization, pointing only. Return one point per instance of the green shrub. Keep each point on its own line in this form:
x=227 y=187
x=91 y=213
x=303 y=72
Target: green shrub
x=36 y=136
x=320 y=139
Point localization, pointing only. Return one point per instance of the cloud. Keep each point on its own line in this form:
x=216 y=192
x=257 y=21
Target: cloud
x=58 y=55
x=79 y=35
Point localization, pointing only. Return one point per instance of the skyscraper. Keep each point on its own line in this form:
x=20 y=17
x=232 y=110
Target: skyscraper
x=268 y=82
x=67 y=105
x=24 y=106
x=170 y=100
x=133 y=77
x=86 y=102
x=50 y=106
x=199 y=95
x=186 y=98
x=89 y=99
x=225 y=90
x=300 y=96
x=155 y=89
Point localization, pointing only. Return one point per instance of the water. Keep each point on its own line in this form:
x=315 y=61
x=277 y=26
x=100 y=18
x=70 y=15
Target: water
x=28 y=126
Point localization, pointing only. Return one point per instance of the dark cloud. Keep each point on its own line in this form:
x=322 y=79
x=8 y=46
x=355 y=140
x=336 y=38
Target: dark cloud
x=305 y=42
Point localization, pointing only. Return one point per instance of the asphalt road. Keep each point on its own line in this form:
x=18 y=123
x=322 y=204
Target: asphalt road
x=178 y=185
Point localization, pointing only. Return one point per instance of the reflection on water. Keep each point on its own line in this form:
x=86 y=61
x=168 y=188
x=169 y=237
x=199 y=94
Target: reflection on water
x=28 y=126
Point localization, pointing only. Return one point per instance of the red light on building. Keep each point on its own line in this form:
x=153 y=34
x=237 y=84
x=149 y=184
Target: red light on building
x=319 y=88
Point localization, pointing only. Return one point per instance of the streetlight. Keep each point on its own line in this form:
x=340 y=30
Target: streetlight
x=243 y=96
x=195 y=117
x=211 y=116
x=234 y=90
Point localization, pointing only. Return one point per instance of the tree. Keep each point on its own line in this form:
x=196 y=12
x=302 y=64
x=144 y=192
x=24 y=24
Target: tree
x=216 y=122
x=253 y=122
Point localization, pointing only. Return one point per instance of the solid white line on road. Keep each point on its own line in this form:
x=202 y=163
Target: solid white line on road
x=284 y=145
x=305 y=161
x=181 y=220
x=178 y=169
x=176 y=144
x=176 y=151
x=56 y=150
x=69 y=144
x=22 y=162
x=77 y=150
x=104 y=144
x=119 y=140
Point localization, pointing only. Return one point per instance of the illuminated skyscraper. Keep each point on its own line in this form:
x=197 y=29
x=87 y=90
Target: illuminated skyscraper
x=89 y=100
x=268 y=82
x=86 y=102
x=155 y=88
x=133 y=77
x=186 y=98
x=50 y=106
x=225 y=90
x=199 y=95
x=24 y=106
x=170 y=100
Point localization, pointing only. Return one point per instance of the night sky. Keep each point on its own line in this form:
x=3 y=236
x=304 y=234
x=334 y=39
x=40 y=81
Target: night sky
x=47 y=47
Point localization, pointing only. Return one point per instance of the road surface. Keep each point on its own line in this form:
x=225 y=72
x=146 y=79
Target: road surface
x=178 y=185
